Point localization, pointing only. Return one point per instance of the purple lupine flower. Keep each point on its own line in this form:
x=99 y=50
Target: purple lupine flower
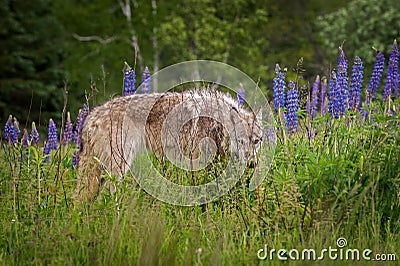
x=75 y=159
x=375 y=76
x=279 y=88
x=391 y=75
x=240 y=94
x=129 y=80
x=25 y=139
x=314 y=98
x=16 y=128
x=342 y=82
x=52 y=140
x=397 y=92
x=356 y=84
x=83 y=113
x=34 y=134
x=68 y=130
x=395 y=67
x=308 y=106
x=292 y=105
x=9 y=132
x=334 y=95
x=77 y=128
x=323 y=96
x=85 y=110
x=146 y=80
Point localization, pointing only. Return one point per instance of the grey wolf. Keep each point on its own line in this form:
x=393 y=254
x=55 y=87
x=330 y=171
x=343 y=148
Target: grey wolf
x=171 y=125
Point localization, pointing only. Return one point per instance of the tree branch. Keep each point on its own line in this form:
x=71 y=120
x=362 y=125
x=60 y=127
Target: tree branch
x=93 y=38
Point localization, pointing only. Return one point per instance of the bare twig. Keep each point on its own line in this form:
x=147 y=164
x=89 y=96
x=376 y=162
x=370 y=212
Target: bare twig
x=94 y=38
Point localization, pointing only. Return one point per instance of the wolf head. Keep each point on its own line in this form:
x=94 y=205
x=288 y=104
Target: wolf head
x=193 y=126
x=248 y=142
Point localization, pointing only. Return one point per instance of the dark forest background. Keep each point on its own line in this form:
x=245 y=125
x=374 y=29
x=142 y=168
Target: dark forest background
x=47 y=47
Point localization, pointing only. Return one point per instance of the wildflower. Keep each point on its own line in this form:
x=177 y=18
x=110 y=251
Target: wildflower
x=68 y=130
x=292 y=104
x=75 y=159
x=129 y=80
x=240 y=94
x=375 y=76
x=77 y=129
x=391 y=76
x=397 y=92
x=323 y=96
x=83 y=113
x=342 y=83
x=79 y=124
x=356 y=84
x=9 y=132
x=16 y=127
x=334 y=94
x=34 y=134
x=52 y=139
x=25 y=139
x=279 y=88
x=146 y=80
x=314 y=98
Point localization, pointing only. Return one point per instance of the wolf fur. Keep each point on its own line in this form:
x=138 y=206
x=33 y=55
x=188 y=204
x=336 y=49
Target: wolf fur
x=116 y=131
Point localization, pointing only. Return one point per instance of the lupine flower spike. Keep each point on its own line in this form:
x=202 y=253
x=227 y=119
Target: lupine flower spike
x=292 y=105
x=68 y=130
x=240 y=94
x=146 y=80
x=34 y=134
x=129 y=80
x=323 y=96
x=342 y=83
x=397 y=94
x=16 y=127
x=25 y=139
x=83 y=113
x=314 y=98
x=77 y=129
x=52 y=140
x=391 y=75
x=375 y=76
x=9 y=132
x=75 y=159
x=279 y=88
x=356 y=84
x=334 y=94
x=79 y=123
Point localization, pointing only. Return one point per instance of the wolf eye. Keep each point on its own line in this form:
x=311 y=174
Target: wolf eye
x=256 y=141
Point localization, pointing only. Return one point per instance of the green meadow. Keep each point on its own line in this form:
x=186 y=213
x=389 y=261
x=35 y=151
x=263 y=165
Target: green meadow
x=342 y=183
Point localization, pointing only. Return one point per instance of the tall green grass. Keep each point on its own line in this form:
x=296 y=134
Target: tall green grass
x=344 y=182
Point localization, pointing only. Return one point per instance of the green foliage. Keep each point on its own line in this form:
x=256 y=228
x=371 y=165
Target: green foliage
x=94 y=64
x=31 y=54
x=362 y=24
x=225 y=31
x=292 y=34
